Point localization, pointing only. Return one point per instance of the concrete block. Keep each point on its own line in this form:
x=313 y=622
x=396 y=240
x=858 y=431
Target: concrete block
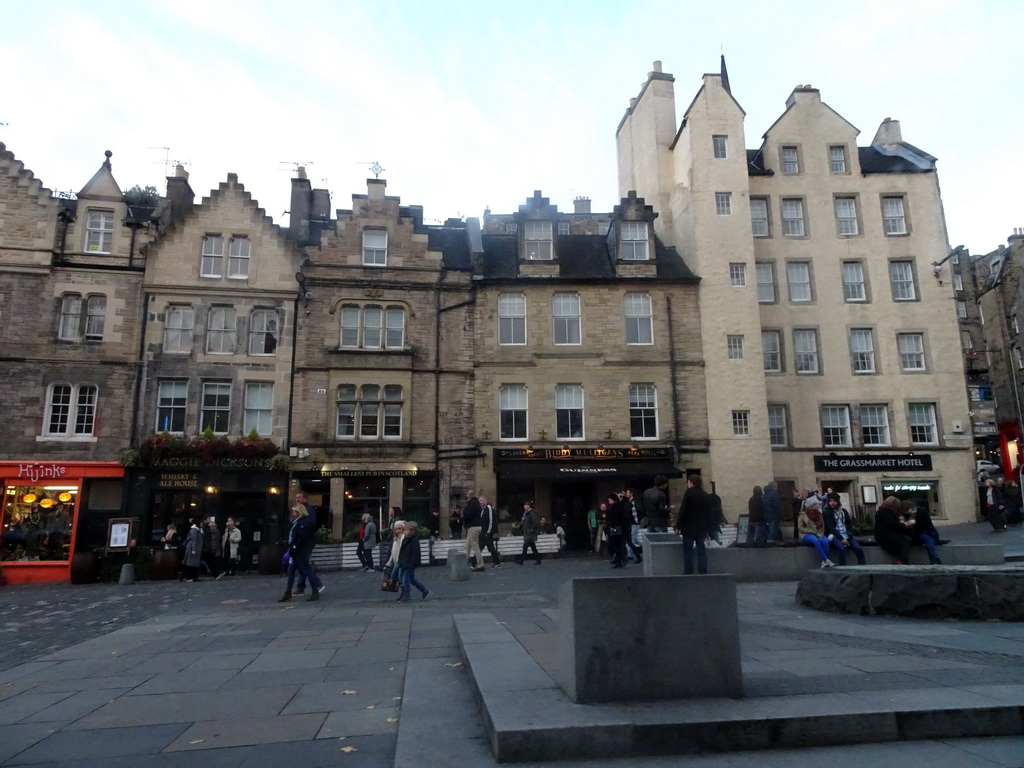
x=127 y=574
x=673 y=637
x=458 y=565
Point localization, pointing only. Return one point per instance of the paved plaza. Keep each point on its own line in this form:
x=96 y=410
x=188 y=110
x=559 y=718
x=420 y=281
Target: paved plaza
x=153 y=673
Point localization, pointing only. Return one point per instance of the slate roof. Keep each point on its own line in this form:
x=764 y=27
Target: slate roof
x=755 y=164
x=874 y=161
x=453 y=243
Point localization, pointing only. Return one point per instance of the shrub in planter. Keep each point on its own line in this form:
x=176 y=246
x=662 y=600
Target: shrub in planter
x=324 y=535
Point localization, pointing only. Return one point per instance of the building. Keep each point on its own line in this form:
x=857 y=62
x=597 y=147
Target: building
x=70 y=325
x=831 y=350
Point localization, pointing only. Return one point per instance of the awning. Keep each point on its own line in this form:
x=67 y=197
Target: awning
x=568 y=471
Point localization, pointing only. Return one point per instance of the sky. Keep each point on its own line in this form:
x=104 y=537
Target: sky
x=474 y=104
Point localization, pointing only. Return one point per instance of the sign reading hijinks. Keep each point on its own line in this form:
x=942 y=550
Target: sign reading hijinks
x=917 y=462
x=582 y=454
x=36 y=472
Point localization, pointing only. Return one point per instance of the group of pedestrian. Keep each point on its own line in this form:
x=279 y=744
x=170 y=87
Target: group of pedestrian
x=205 y=550
x=1002 y=504
x=405 y=558
x=900 y=525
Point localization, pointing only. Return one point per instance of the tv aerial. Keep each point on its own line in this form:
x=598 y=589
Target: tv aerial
x=375 y=168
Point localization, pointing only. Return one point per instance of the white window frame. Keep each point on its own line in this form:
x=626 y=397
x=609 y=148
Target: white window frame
x=720 y=147
x=875 y=416
x=511 y=227
x=854 y=286
x=371 y=326
x=346 y=403
x=835 y=426
x=805 y=352
x=221 y=331
x=902 y=280
x=771 y=351
x=569 y=413
x=837 y=158
x=723 y=203
x=922 y=424
x=264 y=332
x=239 y=254
x=790 y=159
x=759 y=224
x=565 y=318
x=793 y=217
x=639 y=317
x=375 y=247
x=99 y=231
x=643 y=411
x=211 y=256
x=738 y=274
x=215 y=407
x=961 y=310
x=846 y=216
x=563 y=228
x=966 y=340
x=894 y=217
x=778 y=430
x=375 y=412
x=741 y=423
x=179 y=321
x=799 y=282
x=70 y=411
x=734 y=346
x=512 y=319
x=958 y=282
x=258 y=408
x=172 y=398
x=911 y=349
x=766 y=269
x=513 y=412
x=862 y=351
x=69 y=325
x=539 y=241
x=95 y=316
x=634 y=241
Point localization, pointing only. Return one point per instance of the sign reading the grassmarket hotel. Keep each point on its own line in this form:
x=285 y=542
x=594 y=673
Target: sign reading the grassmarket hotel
x=582 y=454
x=909 y=462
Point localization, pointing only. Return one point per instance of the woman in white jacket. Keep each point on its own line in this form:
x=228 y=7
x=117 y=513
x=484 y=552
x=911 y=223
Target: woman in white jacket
x=229 y=545
x=391 y=566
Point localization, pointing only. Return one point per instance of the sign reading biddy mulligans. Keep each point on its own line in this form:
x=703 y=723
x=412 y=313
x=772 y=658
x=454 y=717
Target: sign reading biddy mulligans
x=910 y=462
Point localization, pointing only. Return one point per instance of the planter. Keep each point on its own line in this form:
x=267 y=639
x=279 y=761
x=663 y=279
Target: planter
x=165 y=565
x=270 y=559
x=85 y=568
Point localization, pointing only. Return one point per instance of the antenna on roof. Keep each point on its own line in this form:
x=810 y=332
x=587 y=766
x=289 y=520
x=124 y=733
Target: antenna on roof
x=295 y=164
x=167 y=159
x=375 y=168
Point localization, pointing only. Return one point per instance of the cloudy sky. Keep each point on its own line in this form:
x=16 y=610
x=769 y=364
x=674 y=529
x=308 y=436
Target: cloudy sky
x=474 y=104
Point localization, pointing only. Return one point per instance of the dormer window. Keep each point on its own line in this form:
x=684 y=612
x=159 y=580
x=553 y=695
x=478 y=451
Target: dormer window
x=634 y=241
x=99 y=231
x=212 y=253
x=375 y=248
x=238 y=257
x=538 y=240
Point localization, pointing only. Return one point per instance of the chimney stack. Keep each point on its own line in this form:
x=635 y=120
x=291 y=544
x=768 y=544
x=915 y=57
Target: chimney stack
x=298 y=223
x=581 y=205
x=889 y=133
x=375 y=188
x=179 y=194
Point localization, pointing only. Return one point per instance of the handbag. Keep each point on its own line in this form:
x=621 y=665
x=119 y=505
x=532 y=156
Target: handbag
x=389 y=583
x=615 y=530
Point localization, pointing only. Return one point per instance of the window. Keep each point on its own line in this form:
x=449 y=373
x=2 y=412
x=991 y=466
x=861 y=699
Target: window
x=511 y=227
x=893 y=218
x=375 y=247
x=793 y=217
x=837 y=159
x=569 y=411
x=901 y=275
x=372 y=327
x=512 y=411
x=78 y=315
x=958 y=282
x=538 y=240
x=512 y=318
x=741 y=423
x=220 y=331
x=263 y=332
x=874 y=425
x=723 y=203
x=259 y=408
x=603 y=227
x=737 y=274
x=798 y=275
x=565 y=309
x=643 y=412
x=790 y=160
x=955 y=260
x=178 y=329
x=771 y=350
x=862 y=350
x=922 y=424
x=563 y=227
x=634 y=240
x=369 y=415
x=172 y=396
x=70 y=324
x=1015 y=323
x=213 y=251
x=805 y=351
x=777 y=433
x=99 y=231
x=759 y=217
x=835 y=426
x=961 y=309
x=846 y=215
x=95 y=317
x=71 y=410
x=238 y=258
x=639 y=321
x=965 y=340
x=911 y=347
x=720 y=146
x=765 y=282
x=853 y=281
x=216 y=408
x=734 y=345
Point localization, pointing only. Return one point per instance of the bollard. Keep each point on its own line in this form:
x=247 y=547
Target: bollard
x=458 y=565
x=127 y=574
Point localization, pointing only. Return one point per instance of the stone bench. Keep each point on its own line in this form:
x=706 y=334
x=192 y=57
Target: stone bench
x=790 y=561
x=508 y=546
x=934 y=591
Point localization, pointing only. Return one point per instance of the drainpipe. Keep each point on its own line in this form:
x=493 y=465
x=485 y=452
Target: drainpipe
x=134 y=439
x=673 y=369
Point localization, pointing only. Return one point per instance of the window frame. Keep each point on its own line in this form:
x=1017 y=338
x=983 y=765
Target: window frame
x=846 y=225
x=174 y=407
x=223 y=335
x=563 y=228
x=513 y=412
x=847 y=284
x=808 y=283
x=635 y=320
x=512 y=326
x=239 y=257
x=633 y=241
x=790 y=160
x=738 y=274
x=895 y=224
x=99 y=226
x=762 y=203
x=862 y=358
x=720 y=146
x=69 y=317
x=373 y=328
x=843 y=424
x=932 y=424
x=840 y=166
x=767 y=351
x=215 y=406
x=908 y=264
x=374 y=254
x=811 y=355
x=253 y=415
x=74 y=417
x=263 y=313
x=564 y=322
x=734 y=346
x=877 y=408
x=180 y=330
x=905 y=355
x=759 y=268
x=794 y=226
x=723 y=203
x=538 y=241
x=643 y=411
x=774 y=409
x=375 y=412
x=569 y=409
x=741 y=423
x=211 y=256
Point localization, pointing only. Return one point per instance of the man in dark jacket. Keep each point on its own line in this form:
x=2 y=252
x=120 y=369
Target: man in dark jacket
x=489 y=531
x=839 y=529
x=656 y=506
x=471 y=519
x=771 y=505
x=694 y=521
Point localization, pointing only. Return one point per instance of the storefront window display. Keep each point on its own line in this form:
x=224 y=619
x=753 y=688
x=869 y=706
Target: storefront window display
x=38 y=522
x=924 y=493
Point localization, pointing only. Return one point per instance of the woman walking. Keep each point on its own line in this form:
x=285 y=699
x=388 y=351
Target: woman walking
x=192 y=558
x=367 y=541
x=408 y=561
x=230 y=540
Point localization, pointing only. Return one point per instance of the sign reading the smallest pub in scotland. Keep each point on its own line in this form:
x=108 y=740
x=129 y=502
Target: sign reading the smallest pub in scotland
x=909 y=462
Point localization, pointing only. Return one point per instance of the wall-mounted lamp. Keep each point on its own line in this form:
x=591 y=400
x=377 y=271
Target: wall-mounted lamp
x=274 y=490
x=211 y=489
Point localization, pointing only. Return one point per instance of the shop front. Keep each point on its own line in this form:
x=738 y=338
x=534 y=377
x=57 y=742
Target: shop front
x=865 y=480
x=349 y=493
x=47 y=507
x=565 y=483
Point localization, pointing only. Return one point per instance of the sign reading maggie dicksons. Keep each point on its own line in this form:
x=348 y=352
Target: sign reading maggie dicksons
x=918 y=462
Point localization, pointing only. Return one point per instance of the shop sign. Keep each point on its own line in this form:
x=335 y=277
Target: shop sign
x=915 y=486
x=581 y=454
x=357 y=472
x=190 y=462
x=36 y=472
x=178 y=480
x=874 y=463
x=589 y=470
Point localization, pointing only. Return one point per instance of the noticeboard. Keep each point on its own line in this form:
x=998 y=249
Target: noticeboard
x=119 y=534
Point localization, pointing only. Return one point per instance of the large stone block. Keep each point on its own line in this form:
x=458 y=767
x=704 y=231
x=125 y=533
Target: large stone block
x=458 y=564
x=664 y=637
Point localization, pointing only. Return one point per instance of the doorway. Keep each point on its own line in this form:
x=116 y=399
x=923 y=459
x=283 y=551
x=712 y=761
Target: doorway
x=570 y=503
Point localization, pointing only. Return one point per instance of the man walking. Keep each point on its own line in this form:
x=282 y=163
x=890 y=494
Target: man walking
x=489 y=531
x=633 y=516
x=694 y=521
x=471 y=519
x=367 y=542
x=656 y=505
x=771 y=505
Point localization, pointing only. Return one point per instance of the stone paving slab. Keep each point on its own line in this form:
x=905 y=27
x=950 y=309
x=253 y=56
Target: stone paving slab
x=244 y=731
x=100 y=745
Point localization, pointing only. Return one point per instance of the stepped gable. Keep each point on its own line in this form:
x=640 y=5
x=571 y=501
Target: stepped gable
x=13 y=167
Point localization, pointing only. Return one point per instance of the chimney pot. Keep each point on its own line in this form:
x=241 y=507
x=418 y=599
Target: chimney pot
x=657 y=66
x=581 y=205
x=300 y=172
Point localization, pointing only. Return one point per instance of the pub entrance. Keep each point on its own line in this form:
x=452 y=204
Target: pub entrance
x=570 y=503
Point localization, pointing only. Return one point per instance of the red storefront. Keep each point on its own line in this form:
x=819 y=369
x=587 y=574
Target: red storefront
x=44 y=504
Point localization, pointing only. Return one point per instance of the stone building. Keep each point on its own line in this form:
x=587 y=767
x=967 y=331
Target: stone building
x=588 y=361
x=70 y=292
x=383 y=403
x=831 y=350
